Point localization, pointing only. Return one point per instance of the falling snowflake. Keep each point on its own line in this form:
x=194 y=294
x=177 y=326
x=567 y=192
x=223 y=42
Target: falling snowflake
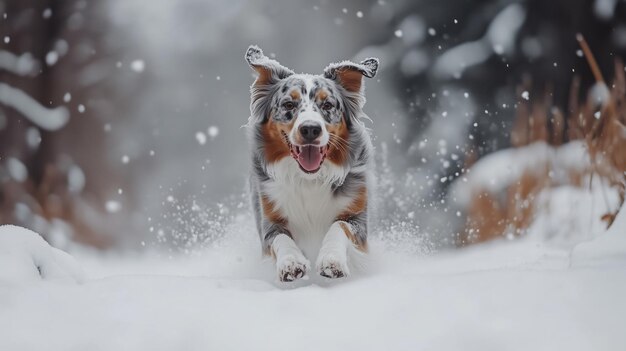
x=525 y=95
x=213 y=131
x=201 y=138
x=138 y=65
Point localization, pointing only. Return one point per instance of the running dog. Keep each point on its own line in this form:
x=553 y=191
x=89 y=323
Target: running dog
x=310 y=175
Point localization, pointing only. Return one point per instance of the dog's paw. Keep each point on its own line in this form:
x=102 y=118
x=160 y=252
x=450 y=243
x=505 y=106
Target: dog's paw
x=292 y=267
x=331 y=266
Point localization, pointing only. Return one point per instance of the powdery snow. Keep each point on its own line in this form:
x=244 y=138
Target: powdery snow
x=567 y=215
x=606 y=248
x=520 y=295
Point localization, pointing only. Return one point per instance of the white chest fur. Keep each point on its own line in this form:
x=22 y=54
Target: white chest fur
x=306 y=201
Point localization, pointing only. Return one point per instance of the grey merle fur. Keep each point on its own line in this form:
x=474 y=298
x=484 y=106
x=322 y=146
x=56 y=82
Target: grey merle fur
x=266 y=101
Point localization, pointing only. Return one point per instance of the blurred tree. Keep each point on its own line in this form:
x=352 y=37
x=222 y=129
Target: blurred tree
x=457 y=66
x=54 y=102
x=543 y=49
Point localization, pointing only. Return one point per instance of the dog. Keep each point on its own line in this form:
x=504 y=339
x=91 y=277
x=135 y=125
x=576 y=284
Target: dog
x=311 y=164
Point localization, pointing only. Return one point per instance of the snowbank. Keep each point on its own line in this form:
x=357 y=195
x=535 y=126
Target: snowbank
x=25 y=257
x=567 y=215
x=519 y=295
x=610 y=246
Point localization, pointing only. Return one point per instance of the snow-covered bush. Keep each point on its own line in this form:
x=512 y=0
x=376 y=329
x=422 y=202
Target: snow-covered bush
x=548 y=181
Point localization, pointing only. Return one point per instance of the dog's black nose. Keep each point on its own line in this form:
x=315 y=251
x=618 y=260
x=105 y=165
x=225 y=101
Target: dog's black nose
x=310 y=132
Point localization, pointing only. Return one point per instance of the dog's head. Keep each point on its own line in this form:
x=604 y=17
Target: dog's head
x=307 y=117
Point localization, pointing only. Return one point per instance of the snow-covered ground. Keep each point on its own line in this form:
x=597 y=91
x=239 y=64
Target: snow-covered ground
x=509 y=295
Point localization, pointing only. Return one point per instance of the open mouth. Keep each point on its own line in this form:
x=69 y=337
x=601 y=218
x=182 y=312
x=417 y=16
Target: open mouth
x=309 y=157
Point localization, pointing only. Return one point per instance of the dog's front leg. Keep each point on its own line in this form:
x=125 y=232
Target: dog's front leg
x=278 y=242
x=290 y=262
x=332 y=261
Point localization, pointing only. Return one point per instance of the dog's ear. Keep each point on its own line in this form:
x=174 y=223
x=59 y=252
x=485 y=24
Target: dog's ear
x=350 y=75
x=270 y=71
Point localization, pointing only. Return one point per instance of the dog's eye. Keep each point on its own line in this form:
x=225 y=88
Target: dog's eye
x=288 y=105
x=327 y=106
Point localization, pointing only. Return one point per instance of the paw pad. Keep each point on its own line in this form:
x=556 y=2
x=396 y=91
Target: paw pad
x=291 y=269
x=332 y=270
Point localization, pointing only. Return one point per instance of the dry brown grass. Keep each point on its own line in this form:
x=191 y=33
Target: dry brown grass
x=600 y=122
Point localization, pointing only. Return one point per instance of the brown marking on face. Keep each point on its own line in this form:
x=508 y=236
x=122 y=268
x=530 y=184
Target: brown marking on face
x=350 y=79
x=321 y=95
x=360 y=244
x=338 y=146
x=295 y=95
x=275 y=145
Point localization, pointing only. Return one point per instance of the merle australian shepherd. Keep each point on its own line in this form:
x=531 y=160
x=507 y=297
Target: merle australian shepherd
x=310 y=176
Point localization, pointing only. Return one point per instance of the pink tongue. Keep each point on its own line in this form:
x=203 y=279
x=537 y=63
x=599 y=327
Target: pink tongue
x=310 y=157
